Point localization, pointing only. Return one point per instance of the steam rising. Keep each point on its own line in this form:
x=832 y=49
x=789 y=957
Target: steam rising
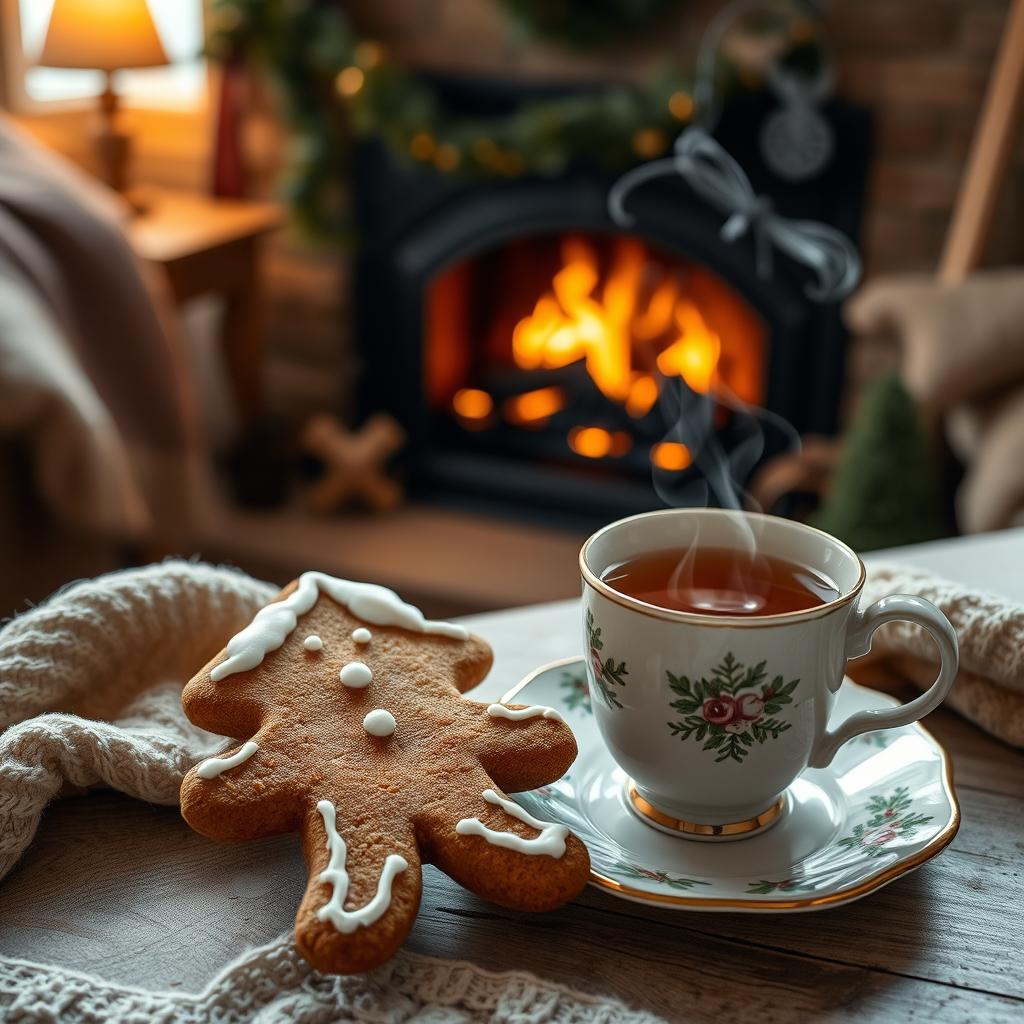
x=718 y=477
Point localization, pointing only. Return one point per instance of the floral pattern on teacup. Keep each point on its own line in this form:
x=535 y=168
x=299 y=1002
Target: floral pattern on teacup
x=576 y=693
x=606 y=671
x=734 y=709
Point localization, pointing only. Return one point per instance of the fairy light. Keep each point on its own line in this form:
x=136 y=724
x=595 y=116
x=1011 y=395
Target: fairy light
x=369 y=54
x=349 y=81
x=680 y=106
x=422 y=145
x=446 y=157
x=510 y=164
x=485 y=151
x=649 y=142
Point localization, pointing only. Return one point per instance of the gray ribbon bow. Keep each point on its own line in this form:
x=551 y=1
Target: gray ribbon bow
x=718 y=179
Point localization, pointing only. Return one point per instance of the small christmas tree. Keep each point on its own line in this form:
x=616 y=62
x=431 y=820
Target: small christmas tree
x=885 y=492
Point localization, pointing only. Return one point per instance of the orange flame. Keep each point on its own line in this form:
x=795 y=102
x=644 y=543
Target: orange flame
x=604 y=326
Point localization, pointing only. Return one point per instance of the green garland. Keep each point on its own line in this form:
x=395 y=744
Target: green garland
x=334 y=84
x=587 y=24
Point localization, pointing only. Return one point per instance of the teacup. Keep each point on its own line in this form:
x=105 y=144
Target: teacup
x=712 y=717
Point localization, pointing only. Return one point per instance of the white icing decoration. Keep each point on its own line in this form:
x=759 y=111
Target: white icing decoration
x=519 y=714
x=379 y=723
x=356 y=675
x=313 y=643
x=550 y=841
x=213 y=766
x=335 y=875
x=362 y=635
x=272 y=624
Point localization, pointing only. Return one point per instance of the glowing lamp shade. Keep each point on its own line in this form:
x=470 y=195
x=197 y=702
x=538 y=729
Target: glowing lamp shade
x=102 y=34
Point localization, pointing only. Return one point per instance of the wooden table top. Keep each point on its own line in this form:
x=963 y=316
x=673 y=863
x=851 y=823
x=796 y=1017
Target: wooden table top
x=125 y=890
x=176 y=225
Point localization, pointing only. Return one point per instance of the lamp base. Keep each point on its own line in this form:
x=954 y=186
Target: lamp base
x=113 y=149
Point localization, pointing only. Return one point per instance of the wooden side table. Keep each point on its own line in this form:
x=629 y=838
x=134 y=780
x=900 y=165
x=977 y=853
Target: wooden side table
x=208 y=245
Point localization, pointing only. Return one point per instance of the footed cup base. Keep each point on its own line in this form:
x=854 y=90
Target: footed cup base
x=650 y=815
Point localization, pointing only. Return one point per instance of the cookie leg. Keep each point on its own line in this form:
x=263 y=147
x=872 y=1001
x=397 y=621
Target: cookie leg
x=494 y=848
x=364 y=888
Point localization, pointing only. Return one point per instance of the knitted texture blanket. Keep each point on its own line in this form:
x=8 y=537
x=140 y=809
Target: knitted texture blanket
x=90 y=688
x=274 y=985
x=989 y=689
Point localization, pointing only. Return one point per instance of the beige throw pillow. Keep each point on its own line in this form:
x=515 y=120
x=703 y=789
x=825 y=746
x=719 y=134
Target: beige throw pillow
x=960 y=342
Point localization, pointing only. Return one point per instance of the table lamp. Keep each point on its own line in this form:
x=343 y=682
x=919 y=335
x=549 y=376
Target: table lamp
x=106 y=35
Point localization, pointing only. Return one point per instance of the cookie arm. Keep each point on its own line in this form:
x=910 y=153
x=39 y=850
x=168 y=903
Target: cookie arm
x=524 y=754
x=364 y=887
x=245 y=793
x=491 y=846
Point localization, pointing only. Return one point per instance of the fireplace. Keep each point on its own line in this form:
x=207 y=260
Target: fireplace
x=522 y=340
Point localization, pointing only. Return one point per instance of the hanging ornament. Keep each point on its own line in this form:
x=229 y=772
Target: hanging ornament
x=797 y=143
x=720 y=181
x=717 y=179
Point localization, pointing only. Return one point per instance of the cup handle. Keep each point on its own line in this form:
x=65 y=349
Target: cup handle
x=858 y=643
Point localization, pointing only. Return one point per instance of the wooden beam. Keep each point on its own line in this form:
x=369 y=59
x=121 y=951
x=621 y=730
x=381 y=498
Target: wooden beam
x=990 y=153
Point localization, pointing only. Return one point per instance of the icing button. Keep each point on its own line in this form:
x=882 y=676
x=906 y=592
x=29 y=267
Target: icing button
x=379 y=723
x=355 y=675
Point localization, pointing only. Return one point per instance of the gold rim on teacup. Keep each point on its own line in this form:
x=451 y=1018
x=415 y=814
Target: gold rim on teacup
x=732 y=621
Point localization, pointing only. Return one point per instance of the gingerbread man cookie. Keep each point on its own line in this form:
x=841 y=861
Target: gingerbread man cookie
x=353 y=731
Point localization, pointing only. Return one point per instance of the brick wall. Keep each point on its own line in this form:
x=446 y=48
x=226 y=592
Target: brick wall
x=922 y=66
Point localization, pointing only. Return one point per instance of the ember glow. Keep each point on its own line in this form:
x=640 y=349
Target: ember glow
x=598 y=443
x=472 y=403
x=671 y=455
x=534 y=407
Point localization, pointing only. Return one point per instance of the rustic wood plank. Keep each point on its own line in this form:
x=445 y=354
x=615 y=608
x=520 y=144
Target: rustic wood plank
x=658 y=963
x=127 y=891
x=155 y=904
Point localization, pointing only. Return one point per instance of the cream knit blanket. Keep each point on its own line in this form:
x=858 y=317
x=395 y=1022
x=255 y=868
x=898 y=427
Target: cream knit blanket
x=989 y=689
x=90 y=686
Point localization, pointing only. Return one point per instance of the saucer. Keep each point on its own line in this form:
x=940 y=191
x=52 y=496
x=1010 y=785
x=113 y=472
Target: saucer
x=881 y=809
